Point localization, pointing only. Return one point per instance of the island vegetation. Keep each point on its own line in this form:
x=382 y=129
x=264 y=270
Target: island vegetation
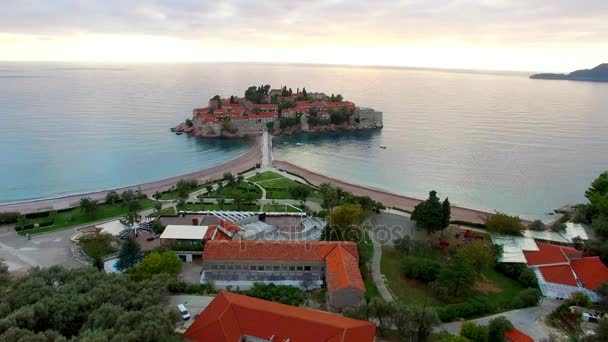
x=597 y=74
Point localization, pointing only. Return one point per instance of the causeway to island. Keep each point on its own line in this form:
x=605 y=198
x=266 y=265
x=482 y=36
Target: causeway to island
x=279 y=111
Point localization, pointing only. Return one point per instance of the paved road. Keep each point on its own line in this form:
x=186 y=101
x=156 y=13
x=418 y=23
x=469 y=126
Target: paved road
x=194 y=304
x=525 y=320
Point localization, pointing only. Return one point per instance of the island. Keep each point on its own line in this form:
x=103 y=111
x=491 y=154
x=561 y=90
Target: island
x=597 y=74
x=280 y=111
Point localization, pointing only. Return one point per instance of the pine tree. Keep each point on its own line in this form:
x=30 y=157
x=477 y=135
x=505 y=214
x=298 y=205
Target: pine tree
x=129 y=255
x=445 y=214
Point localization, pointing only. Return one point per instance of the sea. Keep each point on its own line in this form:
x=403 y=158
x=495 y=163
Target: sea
x=495 y=141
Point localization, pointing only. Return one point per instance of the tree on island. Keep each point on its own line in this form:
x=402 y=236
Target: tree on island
x=218 y=99
x=189 y=123
x=88 y=206
x=431 y=215
x=129 y=255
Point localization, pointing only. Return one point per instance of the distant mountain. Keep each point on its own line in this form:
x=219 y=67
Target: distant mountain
x=597 y=74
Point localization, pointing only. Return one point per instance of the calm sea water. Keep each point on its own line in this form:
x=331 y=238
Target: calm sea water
x=488 y=141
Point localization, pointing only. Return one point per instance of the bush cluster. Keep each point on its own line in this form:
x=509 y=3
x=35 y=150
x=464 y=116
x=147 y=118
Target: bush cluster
x=420 y=268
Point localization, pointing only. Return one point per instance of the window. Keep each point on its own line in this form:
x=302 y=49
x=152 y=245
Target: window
x=222 y=267
x=292 y=268
x=238 y=267
x=252 y=268
x=260 y=268
x=307 y=268
x=214 y=267
x=300 y=268
x=230 y=267
x=277 y=268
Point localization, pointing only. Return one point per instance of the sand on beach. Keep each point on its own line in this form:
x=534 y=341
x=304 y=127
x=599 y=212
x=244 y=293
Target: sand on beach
x=387 y=198
x=237 y=165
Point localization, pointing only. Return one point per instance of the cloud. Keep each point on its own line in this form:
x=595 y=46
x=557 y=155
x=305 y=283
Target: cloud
x=321 y=24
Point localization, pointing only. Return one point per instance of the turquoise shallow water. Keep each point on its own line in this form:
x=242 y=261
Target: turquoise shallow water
x=489 y=141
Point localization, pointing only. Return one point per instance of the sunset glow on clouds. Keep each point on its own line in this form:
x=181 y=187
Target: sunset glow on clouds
x=544 y=35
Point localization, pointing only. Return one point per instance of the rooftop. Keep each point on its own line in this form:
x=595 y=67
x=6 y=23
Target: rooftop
x=590 y=271
x=342 y=258
x=515 y=335
x=230 y=316
x=184 y=232
x=549 y=254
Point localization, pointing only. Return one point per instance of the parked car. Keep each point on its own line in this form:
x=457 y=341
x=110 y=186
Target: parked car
x=183 y=312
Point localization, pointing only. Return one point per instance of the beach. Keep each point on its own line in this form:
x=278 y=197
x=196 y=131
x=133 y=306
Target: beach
x=387 y=198
x=240 y=164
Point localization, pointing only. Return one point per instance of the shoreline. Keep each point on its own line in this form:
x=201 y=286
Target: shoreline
x=388 y=198
x=237 y=165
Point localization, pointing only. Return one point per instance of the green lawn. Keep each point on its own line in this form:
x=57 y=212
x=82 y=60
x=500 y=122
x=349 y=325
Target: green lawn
x=280 y=208
x=277 y=186
x=168 y=211
x=75 y=217
x=172 y=195
x=226 y=206
x=242 y=189
x=370 y=287
x=264 y=176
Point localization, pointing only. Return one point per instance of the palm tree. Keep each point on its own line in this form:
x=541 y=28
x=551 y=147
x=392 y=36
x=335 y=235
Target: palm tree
x=157 y=208
x=209 y=188
x=201 y=197
x=88 y=206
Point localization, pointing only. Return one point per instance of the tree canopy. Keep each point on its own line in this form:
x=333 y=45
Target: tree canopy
x=88 y=206
x=129 y=255
x=345 y=222
x=479 y=254
x=83 y=304
x=597 y=194
x=157 y=262
x=504 y=224
x=431 y=215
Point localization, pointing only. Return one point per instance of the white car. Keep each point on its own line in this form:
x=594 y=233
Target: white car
x=183 y=312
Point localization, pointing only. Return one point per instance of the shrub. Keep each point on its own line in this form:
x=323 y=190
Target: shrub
x=497 y=328
x=504 y=224
x=527 y=278
x=475 y=306
x=420 y=268
x=474 y=332
x=526 y=298
x=277 y=293
x=9 y=217
x=537 y=225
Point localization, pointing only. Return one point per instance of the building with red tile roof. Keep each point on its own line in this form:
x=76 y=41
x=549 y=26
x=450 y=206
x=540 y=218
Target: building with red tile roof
x=591 y=272
x=549 y=254
x=562 y=270
x=244 y=262
x=231 y=317
x=516 y=335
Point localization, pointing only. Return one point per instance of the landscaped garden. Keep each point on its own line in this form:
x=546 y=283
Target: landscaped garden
x=281 y=187
x=37 y=223
x=280 y=208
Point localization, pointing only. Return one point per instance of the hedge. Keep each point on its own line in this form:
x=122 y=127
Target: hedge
x=38 y=214
x=9 y=217
x=475 y=306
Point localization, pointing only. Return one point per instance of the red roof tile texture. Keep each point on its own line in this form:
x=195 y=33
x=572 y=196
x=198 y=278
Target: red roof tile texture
x=590 y=271
x=549 y=254
x=561 y=274
x=515 y=335
x=230 y=316
x=342 y=258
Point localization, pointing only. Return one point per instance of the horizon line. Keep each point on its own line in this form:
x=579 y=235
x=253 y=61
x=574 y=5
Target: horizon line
x=372 y=66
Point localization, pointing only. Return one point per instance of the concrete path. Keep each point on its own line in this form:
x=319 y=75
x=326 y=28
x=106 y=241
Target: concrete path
x=45 y=249
x=525 y=320
x=377 y=275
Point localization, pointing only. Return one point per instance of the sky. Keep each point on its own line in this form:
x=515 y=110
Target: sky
x=525 y=35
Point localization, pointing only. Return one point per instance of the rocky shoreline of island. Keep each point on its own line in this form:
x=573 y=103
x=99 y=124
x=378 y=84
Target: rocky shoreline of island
x=279 y=111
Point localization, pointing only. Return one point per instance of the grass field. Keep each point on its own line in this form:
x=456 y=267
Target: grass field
x=242 y=189
x=226 y=207
x=75 y=217
x=277 y=186
x=371 y=290
x=410 y=291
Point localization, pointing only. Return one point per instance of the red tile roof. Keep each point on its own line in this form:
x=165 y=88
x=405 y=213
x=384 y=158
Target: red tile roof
x=561 y=274
x=590 y=271
x=515 y=335
x=342 y=258
x=230 y=316
x=549 y=254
